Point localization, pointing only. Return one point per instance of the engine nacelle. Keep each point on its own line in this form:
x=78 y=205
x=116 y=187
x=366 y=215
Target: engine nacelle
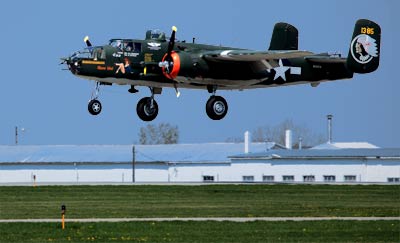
x=183 y=64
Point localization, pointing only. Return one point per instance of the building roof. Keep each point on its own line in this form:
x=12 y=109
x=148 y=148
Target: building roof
x=346 y=145
x=363 y=153
x=206 y=152
x=273 y=145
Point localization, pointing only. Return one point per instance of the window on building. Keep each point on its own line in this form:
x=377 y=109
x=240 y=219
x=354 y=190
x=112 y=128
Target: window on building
x=350 y=178
x=268 y=178
x=248 y=178
x=393 y=179
x=288 y=178
x=329 y=178
x=308 y=178
x=208 y=178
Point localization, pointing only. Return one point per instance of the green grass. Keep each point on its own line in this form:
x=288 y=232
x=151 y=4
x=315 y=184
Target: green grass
x=200 y=201
x=310 y=231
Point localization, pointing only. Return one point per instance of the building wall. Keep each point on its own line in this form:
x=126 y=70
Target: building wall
x=364 y=170
x=151 y=173
x=318 y=169
x=82 y=173
x=380 y=170
x=195 y=172
x=44 y=173
x=237 y=171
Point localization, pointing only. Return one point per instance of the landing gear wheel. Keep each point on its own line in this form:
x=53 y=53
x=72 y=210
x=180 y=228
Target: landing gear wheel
x=94 y=107
x=147 y=109
x=216 y=107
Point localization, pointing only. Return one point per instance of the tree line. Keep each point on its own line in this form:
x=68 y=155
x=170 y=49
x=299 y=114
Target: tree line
x=276 y=133
x=165 y=133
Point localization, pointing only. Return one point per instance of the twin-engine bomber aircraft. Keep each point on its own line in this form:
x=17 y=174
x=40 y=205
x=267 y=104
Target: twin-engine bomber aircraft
x=156 y=63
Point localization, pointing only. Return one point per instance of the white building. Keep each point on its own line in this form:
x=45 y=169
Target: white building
x=217 y=162
x=321 y=165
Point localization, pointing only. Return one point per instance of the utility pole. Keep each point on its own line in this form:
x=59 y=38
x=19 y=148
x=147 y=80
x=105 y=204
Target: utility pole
x=133 y=163
x=329 y=128
x=16 y=135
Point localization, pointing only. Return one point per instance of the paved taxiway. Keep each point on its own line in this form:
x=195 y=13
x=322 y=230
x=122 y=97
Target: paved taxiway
x=231 y=219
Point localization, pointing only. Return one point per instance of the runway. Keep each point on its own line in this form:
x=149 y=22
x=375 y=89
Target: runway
x=218 y=219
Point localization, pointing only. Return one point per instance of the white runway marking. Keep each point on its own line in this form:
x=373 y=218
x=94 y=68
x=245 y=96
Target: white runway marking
x=218 y=219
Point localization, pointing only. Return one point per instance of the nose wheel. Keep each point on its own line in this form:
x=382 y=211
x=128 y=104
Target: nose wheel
x=216 y=107
x=94 y=107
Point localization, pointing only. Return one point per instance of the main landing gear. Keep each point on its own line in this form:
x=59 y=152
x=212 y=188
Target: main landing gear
x=147 y=107
x=216 y=106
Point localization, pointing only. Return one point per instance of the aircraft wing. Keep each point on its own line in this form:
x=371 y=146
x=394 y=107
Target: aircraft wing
x=253 y=56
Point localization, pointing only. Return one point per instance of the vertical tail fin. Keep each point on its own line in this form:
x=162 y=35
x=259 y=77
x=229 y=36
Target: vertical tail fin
x=365 y=47
x=284 y=37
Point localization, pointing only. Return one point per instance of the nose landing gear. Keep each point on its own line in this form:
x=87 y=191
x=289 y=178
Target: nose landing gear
x=94 y=106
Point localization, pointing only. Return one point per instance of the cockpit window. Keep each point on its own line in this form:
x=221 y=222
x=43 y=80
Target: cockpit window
x=85 y=53
x=128 y=46
x=116 y=44
x=155 y=35
x=137 y=47
x=98 y=54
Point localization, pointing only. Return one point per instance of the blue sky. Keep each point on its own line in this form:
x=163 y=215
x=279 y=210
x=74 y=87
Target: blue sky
x=51 y=104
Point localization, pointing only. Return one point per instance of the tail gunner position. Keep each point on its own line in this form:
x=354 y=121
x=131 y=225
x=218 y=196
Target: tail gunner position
x=158 y=63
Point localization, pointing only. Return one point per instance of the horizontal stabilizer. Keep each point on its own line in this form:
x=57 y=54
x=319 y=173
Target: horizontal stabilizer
x=325 y=58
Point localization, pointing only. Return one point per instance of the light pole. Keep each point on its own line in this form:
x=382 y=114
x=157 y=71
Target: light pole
x=133 y=163
x=329 y=128
x=16 y=134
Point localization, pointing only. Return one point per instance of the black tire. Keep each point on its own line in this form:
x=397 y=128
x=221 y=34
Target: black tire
x=94 y=107
x=216 y=107
x=144 y=111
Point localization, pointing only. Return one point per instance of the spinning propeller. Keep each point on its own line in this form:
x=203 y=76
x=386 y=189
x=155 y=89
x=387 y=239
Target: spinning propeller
x=170 y=63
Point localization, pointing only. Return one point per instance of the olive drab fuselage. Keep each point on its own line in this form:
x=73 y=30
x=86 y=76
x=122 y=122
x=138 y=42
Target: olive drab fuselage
x=157 y=63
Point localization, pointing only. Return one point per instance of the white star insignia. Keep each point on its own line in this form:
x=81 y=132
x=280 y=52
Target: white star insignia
x=280 y=71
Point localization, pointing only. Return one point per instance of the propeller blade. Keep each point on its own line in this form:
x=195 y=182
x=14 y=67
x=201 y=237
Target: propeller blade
x=176 y=90
x=87 y=41
x=64 y=60
x=172 y=40
x=167 y=62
